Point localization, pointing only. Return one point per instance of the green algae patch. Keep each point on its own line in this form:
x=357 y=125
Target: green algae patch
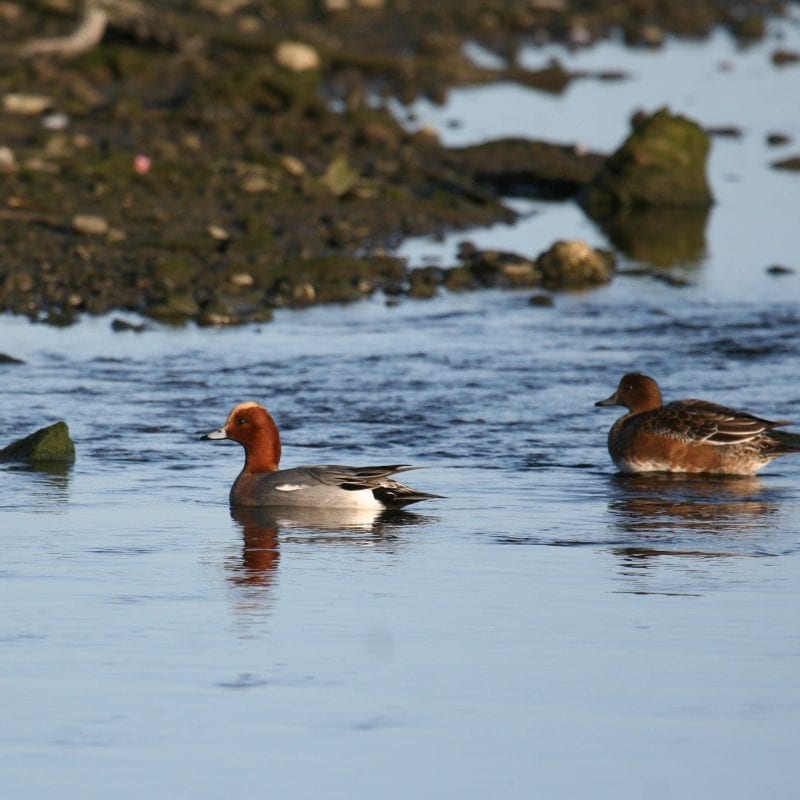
x=662 y=164
x=52 y=443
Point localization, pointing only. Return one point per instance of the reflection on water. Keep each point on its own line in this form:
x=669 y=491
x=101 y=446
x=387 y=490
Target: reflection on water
x=688 y=505
x=673 y=526
x=658 y=237
x=255 y=568
x=46 y=483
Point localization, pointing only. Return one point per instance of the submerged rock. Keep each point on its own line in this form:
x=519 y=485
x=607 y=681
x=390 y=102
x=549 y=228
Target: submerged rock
x=662 y=164
x=52 y=443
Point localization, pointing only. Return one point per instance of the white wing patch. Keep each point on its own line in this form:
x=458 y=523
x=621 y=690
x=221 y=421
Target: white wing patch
x=290 y=487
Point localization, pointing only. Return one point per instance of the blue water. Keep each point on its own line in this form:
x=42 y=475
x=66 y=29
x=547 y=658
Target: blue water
x=548 y=629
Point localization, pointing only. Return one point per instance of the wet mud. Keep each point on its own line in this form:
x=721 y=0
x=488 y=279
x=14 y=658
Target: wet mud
x=213 y=161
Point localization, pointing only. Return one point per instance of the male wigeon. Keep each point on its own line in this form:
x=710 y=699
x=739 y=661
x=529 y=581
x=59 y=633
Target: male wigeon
x=261 y=483
x=689 y=435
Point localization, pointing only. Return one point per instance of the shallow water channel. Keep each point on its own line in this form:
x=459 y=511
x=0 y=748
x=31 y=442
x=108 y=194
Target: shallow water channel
x=549 y=629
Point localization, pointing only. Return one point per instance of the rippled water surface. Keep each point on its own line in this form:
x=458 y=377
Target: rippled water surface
x=549 y=629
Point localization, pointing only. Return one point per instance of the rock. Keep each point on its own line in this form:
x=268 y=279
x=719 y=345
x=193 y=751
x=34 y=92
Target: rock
x=780 y=269
x=89 y=224
x=52 y=443
x=776 y=139
x=297 y=56
x=424 y=283
x=242 y=280
x=340 y=177
x=574 y=265
x=7 y=359
x=294 y=166
x=26 y=104
x=496 y=268
x=526 y=168
x=791 y=163
x=218 y=232
x=177 y=307
x=782 y=58
x=543 y=300
x=8 y=161
x=662 y=164
x=118 y=324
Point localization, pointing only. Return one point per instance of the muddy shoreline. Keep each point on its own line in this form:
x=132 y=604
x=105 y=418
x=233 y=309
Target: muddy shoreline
x=186 y=168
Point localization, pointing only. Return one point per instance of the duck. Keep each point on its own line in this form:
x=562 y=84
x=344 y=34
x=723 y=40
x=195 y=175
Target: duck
x=689 y=436
x=262 y=483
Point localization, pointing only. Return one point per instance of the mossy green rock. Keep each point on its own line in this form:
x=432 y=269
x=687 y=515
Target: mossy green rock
x=662 y=164
x=52 y=443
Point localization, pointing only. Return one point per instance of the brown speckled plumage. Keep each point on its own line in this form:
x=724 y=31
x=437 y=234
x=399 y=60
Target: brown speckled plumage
x=689 y=435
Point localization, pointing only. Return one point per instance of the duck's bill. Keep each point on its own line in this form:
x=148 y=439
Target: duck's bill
x=217 y=434
x=609 y=401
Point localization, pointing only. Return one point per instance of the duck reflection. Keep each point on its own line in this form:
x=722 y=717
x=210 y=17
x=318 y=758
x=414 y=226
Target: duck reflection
x=686 y=517
x=265 y=529
x=643 y=504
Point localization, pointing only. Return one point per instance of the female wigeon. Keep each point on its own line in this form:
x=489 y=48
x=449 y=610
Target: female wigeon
x=261 y=483
x=689 y=435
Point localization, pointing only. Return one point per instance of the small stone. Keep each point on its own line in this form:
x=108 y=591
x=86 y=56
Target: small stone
x=57 y=121
x=255 y=184
x=780 y=269
x=242 y=279
x=27 y=104
x=340 y=177
x=427 y=134
x=8 y=161
x=218 y=232
x=791 y=163
x=782 y=58
x=52 y=443
x=89 y=224
x=297 y=56
x=304 y=293
x=543 y=300
x=294 y=166
x=777 y=139
x=118 y=324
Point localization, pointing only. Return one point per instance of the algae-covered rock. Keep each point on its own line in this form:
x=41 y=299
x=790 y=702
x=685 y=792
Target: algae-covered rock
x=52 y=443
x=574 y=265
x=661 y=164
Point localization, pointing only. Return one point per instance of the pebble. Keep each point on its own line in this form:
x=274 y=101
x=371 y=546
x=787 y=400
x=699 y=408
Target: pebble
x=218 y=232
x=28 y=104
x=297 y=56
x=294 y=166
x=8 y=162
x=241 y=279
x=89 y=224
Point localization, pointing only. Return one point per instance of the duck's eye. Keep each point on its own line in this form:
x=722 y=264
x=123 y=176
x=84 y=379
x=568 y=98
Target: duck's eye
x=241 y=421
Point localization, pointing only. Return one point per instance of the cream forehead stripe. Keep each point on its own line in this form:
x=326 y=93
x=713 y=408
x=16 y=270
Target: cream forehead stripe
x=242 y=406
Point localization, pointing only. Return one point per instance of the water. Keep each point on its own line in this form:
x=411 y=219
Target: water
x=549 y=629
